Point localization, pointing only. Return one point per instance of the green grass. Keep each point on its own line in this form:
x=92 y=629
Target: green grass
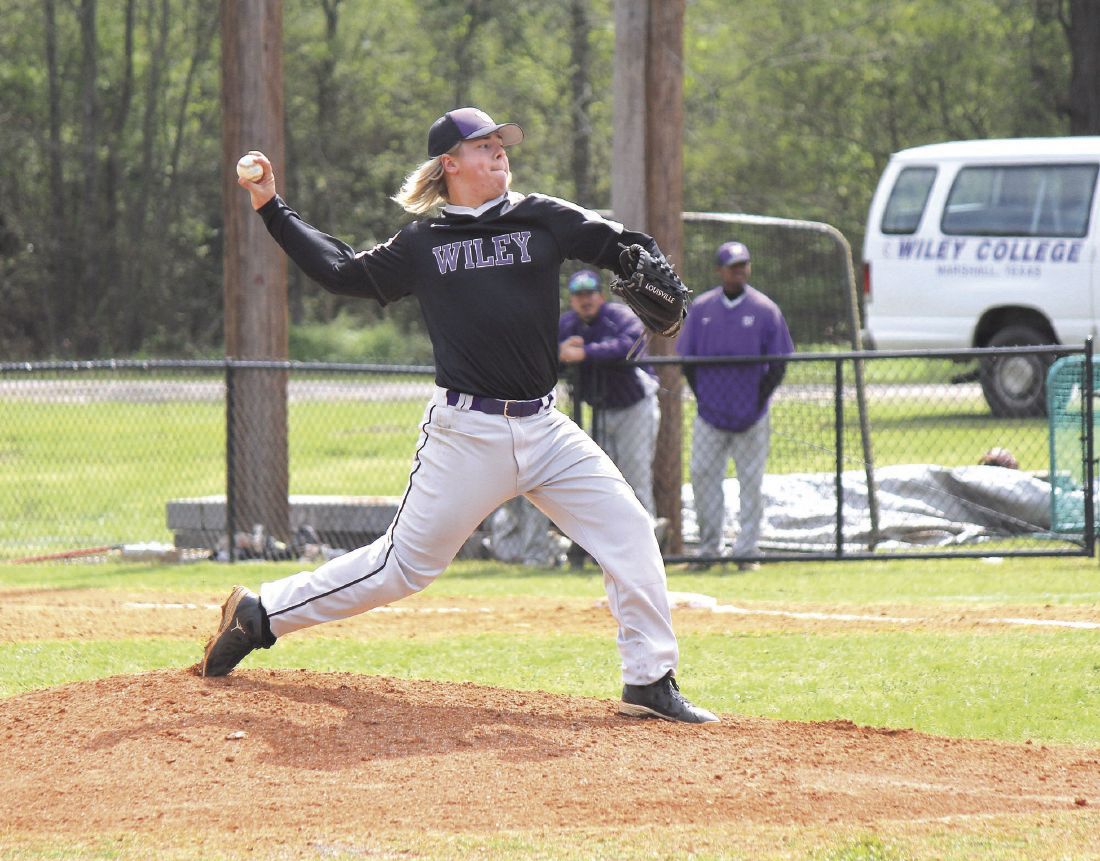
x=953 y=432
x=352 y=340
x=1028 y=838
x=84 y=474
x=1034 y=838
x=875 y=370
x=956 y=434
x=983 y=681
x=1070 y=581
x=956 y=680
x=937 y=582
x=78 y=475
x=946 y=684
x=353 y=448
x=1011 y=686
x=49 y=663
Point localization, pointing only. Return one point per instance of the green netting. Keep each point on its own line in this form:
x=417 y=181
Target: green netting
x=1066 y=402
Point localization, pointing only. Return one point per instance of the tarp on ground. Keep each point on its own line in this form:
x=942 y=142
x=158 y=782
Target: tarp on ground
x=918 y=504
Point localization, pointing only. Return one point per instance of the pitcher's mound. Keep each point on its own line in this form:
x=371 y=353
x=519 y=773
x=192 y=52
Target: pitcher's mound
x=170 y=750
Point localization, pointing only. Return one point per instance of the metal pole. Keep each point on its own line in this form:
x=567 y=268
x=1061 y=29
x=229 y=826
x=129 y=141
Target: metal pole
x=230 y=464
x=1090 y=466
x=861 y=388
x=573 y=379
x=839 y=411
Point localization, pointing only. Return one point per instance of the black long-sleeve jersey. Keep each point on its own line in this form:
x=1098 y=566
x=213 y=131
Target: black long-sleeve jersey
x=487 y=284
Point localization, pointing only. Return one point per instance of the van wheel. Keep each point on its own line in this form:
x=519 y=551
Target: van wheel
x=1016 y=386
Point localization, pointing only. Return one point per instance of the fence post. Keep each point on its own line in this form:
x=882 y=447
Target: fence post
x=1090 y=466
x=838 y=366
x=230 y=458
x=573 y=383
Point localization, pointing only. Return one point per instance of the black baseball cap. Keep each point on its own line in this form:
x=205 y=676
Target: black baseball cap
x=463 y=124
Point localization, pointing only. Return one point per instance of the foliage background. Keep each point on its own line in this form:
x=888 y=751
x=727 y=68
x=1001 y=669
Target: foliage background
x=110 y=228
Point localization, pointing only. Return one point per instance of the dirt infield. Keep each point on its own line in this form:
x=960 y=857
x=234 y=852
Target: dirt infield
x=169 y=750
x=37 y=614
x=286 y=755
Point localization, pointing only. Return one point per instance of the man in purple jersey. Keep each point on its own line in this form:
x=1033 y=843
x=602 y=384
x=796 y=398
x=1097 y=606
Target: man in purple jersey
x=627 y=414
x=483 y=263
x=733 y=319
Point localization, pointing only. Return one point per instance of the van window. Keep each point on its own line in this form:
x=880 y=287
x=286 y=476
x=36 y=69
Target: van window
x=1021 y=200
x=907 y=200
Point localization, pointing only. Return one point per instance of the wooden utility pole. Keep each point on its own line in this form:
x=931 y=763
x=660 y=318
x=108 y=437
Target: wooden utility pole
x=255 y=272
x=647 y=190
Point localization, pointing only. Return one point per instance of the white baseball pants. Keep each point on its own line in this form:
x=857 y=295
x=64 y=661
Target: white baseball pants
x=466 y=464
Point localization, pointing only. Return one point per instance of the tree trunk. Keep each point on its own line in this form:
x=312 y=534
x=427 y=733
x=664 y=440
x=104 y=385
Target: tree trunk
x=1084 y=86
x=327 y=108
x=57 y=253
x=86 y=276
x=166 y=207
x=467 y=62
x=119 y=265
x=255 y=271
x=581 y=85
x=204 y=35
x=628 y=149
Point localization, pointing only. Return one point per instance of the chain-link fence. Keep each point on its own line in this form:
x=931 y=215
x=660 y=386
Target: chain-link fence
x=803 y=266
x=105 y=457
x=925 y=469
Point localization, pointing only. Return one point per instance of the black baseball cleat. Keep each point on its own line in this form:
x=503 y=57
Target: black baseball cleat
x=242 y=629
x=662 y=699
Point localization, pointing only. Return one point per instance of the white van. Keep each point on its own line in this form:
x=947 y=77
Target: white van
x=987 y=243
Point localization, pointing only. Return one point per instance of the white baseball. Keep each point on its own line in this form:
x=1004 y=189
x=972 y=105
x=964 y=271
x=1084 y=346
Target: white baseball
x=249 y=169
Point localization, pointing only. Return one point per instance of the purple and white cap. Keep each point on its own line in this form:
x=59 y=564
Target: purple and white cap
x=731 y=253
x=463 y=124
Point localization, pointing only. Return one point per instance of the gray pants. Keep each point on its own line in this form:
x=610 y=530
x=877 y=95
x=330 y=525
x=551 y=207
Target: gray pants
x=711 y=450
x=520 y=533
x=629 y=436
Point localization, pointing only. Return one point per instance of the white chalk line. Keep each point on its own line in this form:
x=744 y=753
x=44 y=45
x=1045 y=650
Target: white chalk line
x=707 y=602
x=1049 y=622
x=149 y=605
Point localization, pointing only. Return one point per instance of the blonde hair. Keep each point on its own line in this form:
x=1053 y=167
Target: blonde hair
x=424 y=189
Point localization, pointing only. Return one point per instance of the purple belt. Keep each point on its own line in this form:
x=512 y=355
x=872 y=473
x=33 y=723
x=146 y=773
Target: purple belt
x=494 y=407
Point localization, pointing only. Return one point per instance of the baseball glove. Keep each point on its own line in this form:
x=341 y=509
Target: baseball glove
x=652 y=290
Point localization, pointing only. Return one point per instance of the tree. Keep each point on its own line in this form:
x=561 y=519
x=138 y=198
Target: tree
x=1081 y=24
x=793 y=110
x=112 y=231
x=580 y=82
